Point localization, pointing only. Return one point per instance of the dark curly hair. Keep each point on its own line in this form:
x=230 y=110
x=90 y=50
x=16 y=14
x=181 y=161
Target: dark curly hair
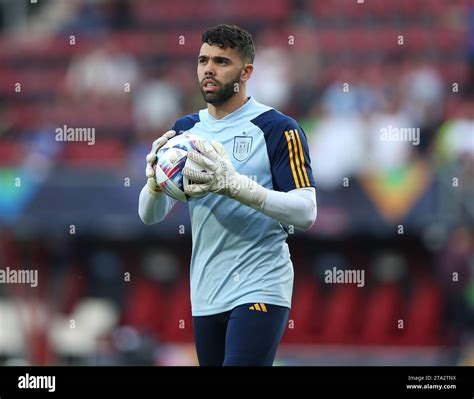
x=231 y=36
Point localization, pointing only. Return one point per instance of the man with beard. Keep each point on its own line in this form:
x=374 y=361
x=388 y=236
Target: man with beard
x=259 y=184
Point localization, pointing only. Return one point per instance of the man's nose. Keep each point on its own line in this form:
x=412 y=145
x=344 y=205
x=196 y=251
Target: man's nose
x=209 y=69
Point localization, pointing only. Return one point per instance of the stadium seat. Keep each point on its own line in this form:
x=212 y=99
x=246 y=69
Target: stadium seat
x=454 y=71
x=23 y=116
x=306 y=312
x=178 y=326
x=423 y=320
x=33 y=80
x=105 y=152
x=383 y=311
x=342 y=316
x=324 y=9
x=73 y=288
x=11 y=153
x=182 y=10
x=146 y=308
x=105 y=115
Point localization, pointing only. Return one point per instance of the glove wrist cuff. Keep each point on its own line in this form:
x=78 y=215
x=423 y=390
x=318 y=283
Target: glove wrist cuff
x=249 y=192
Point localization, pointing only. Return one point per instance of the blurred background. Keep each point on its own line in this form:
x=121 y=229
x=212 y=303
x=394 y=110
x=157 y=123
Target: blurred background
x=113 y=291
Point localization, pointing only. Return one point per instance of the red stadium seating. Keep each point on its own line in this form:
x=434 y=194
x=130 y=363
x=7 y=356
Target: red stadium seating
x=146 y=308
x=178 y=326
x=32 y=80
x=342 y=315
x=183 y=10
x=106 y=152
x=383 y=312
x=306 y=311
x=422 y=326
x=11 y=152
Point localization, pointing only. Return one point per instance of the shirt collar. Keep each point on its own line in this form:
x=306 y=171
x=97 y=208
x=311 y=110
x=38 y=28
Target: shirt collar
x=235 y=114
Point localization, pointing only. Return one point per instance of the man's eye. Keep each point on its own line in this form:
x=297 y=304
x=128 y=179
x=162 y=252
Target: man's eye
x=202 y=61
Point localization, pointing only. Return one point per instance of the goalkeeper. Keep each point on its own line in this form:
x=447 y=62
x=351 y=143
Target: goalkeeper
x=259 y=182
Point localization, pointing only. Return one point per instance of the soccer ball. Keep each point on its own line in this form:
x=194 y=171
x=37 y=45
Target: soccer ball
x=169 y=164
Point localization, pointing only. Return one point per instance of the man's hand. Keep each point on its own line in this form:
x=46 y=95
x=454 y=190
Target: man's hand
x=221 y=176
x=151 y=158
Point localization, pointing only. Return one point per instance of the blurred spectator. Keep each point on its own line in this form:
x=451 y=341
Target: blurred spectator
x=454 y=156
x=106 y=72
x=470 y=50
x=89 y=18
x=93 y=17
x=455 y=268
x=156 y=103
x=119 y=13
x=326 y=261
x=455 y=139
x=422 y=99
x=106 y=278
x=271 y=78
x=389 y=152
x=389 y=267
x=161 y=266
x=340 y=98
x=338 y=148
x=422 y=90
x=51 y=17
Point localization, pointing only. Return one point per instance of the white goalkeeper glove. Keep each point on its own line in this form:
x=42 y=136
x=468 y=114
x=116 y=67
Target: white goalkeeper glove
x=154 y=188
x=220 y=176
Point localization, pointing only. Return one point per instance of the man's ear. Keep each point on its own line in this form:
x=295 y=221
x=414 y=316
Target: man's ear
x=246 y=72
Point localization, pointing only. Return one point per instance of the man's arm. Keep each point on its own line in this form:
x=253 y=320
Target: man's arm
x=154 y=207
x=297 y=208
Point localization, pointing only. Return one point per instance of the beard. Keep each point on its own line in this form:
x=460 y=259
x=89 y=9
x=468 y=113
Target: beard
x=222 y=94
